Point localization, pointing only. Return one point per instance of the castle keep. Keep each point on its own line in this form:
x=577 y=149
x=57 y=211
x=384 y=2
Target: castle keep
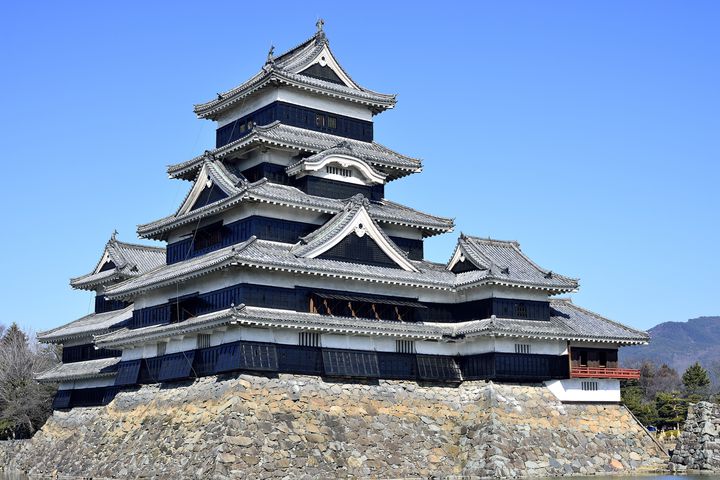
x=286 y=257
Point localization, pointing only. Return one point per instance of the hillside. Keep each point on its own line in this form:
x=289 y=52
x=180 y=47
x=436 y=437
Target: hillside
x=679 y=344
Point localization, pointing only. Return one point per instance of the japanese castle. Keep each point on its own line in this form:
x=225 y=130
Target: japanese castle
x=286 y=257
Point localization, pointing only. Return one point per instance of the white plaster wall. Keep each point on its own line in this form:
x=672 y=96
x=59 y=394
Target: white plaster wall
x=540 y=347
x=570 y=390
x=176 y=345
x=291 y=95
x=473 y=346
x=132 y=354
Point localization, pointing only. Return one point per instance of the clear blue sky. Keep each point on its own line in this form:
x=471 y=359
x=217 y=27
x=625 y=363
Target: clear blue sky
x=588 y=131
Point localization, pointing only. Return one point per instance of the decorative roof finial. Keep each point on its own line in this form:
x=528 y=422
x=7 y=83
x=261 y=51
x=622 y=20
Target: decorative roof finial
x=319 y=24
x=270 y=60
x=113 y=237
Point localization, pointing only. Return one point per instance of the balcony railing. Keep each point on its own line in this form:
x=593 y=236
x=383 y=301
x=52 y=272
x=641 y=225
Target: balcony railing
x=603 y=372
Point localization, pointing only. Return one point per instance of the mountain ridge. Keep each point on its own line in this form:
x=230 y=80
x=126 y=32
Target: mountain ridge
x=679 y=345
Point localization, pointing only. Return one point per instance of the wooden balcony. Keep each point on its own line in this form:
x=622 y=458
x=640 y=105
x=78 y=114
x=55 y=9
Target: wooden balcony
x=604 y=372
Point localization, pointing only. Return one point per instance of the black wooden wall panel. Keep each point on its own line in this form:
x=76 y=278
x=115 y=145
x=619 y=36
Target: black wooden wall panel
x=362 y=250
x=81 y=353
x=62 y=399
x=350 y=363
x=103 y=305
x=297 y=116
x=176 y=366
x=128 y=373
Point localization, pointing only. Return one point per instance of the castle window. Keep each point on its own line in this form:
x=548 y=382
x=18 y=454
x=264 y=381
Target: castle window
x=161 y=349
x=319 y=120
x=583 y=358
x=521 y=310
x=343 y=172
x=405 y=346
x=602 y=358
x=209 y=236
x=203 y=340
x=589 y=386
x=332 y=122
x=242 y=128
x=309 y=339
x=522 y=348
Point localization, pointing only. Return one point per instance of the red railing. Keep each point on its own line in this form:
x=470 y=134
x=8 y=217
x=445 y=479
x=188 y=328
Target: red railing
x=602 y=372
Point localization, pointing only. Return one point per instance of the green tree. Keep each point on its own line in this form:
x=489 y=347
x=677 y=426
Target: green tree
x=633 y=395
x=696 y=381
x=671 y=409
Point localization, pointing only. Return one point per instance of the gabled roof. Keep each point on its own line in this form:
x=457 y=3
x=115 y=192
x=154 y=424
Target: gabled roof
x=103 y=367
x=503 y=261
x=93 y=324
x=567 y=322
x=239 y=190
x=264 y=254
x=278 y=135
x=342 y=154
x=291 y=69
x=124 y=259
x=354 y=219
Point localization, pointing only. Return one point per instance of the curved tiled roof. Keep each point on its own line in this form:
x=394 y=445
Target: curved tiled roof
x=269 y=255
x=103 y=367
x=264 y=191
x=130 y=260
x=503 y=260
x=286 y=69
x=567 y=322
x=277 y=134
x=93 y=324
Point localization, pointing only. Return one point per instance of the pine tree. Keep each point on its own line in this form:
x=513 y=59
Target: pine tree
x=671 y=409
x=696 y=381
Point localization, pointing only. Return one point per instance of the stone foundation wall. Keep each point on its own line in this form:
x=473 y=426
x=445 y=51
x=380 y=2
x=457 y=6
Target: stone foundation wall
x=305 y=427
x=698 y=447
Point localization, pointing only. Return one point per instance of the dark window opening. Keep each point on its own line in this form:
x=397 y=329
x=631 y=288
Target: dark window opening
x=339 y=305
x=209 y=236
x=583 y=359
x=183 y=308
x=602 y=359
x=332 y=122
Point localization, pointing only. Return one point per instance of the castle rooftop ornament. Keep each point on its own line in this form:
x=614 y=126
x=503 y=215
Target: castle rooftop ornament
x=286 y=257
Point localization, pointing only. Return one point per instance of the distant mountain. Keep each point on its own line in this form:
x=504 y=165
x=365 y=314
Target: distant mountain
x=680 y=344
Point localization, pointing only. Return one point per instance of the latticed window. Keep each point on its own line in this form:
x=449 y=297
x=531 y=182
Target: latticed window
x=161 y=348
x=309 y=339
x=332 y=122
x=589 y=386
x=343 y=172
x=520 y=310
x=203 y=340
x=405 y=346
x=522 y=348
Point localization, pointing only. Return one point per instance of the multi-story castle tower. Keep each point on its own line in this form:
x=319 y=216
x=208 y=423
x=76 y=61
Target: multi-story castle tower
x=286 y=257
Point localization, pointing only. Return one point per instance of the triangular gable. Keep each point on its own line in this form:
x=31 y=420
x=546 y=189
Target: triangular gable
x=465 y=259
x=212 y=184
x=324 y=63
x=362 y=249
x=353 y=221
